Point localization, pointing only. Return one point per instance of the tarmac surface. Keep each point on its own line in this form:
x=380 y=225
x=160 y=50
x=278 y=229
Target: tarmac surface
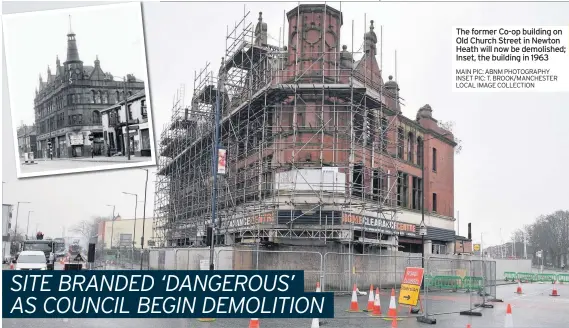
x=535 y=308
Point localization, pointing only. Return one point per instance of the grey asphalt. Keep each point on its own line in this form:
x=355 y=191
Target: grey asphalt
x=45 y=165
x=533 y=309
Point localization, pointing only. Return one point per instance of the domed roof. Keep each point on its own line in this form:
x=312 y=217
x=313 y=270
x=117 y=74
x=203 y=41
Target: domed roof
x=391 y=84
x=425 y=112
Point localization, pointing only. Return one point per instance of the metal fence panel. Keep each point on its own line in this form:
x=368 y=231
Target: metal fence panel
x=343 y=270
x=252 y=259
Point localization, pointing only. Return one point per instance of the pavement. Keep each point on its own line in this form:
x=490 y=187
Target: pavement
x=533 y=309
x=43 y=165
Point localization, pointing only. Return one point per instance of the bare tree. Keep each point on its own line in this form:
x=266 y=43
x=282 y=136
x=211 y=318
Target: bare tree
x=88 y=228
x=550 y=234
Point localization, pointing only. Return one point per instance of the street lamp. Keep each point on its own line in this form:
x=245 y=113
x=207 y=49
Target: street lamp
x=18 y=214
x=143 y=219
x=423 y=233
x=28 y=226
x=135 y=207
x=112 y=226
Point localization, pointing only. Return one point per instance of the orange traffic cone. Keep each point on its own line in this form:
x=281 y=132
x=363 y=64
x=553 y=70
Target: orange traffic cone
x=11 y=265
x=468 y=325
x=509 y=322
x=394 y=323
x=392 y=312
x=554 y=291
x=254 y=323
x=354 y=307
x=370 y=300
x=376 y=305
x=519 y=289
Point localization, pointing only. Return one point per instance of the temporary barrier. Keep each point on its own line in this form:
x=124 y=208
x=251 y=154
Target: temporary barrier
x=510 y=276
x=453 y=283
x=257 y=259
x=473 y=284
x=563 y=278
x=385 y=270
x=546 y=277
x=526 y=277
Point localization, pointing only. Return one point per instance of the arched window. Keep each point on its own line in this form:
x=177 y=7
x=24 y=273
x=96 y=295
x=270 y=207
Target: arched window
x=117 y=97
x=122 y=95
x=105 y=97
x=410 y=147
x=93 y=96
x=98 y=97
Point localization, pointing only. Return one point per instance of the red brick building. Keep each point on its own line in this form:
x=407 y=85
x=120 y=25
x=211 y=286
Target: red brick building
x=318 y=150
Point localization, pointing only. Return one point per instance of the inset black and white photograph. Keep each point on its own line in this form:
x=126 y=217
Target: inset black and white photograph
x=79 y=93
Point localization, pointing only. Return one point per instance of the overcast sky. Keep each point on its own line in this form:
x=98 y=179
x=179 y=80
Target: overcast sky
x=510 y=170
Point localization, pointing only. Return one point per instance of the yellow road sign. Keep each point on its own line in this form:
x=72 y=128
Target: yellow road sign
x=476 y=247
x=409 y=295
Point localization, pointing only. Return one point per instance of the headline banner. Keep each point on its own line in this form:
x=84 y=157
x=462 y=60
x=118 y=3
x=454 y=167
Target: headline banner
x=161 y=294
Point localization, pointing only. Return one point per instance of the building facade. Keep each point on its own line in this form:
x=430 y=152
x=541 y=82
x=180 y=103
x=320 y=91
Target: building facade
x=114 y=120
x=123 y=232
x=27 y=140
x=68 y=103
x=6 y=226
x=314 y=149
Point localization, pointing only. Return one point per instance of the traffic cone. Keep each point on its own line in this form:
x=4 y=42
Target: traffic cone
x=468 y=325
x=316 y=321
x=11 y=265
x=519 y=289
x=509 y=322
x=376 y=305
x=392 y=312
x=370 y=300
x=354 y=307
x=394 y=323
x=254 y=323
x=554 y=291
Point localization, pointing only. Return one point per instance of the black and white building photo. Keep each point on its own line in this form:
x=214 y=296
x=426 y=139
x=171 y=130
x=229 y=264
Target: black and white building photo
x=72 y=82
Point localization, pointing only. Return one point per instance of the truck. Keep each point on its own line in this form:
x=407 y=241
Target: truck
x=46 y=246
x=60 y=250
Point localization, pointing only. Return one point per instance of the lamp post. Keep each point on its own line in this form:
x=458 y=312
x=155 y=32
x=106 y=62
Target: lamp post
x=17 y=215
x=127 y=117
x=135 y=208
x=143 y=220
x=112 y=226
x=134 y=229
x=28 y=225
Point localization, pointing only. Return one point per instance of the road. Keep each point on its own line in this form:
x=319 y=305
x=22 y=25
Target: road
x=535 y=309
x=70 y=164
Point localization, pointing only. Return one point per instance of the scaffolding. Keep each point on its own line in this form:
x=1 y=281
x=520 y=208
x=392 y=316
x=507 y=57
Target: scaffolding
x=312 y=139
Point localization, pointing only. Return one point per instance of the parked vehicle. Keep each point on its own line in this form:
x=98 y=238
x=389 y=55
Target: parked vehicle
x=31 y=260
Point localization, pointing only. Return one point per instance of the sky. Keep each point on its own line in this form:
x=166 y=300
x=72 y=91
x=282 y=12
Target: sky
x=510 y=169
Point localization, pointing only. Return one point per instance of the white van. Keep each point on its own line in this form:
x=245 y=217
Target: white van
x=31 y=260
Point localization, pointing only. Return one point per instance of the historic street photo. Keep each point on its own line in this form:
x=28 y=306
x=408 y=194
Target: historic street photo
x=79 y=94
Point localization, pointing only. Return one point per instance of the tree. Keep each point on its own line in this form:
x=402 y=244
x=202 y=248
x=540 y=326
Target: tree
x=550 y=234
x=88 y=228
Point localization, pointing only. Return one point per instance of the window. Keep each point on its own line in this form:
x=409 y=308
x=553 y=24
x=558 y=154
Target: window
x=434 y=159
x=439 y=249
x=417 y=196
x=434 y=202
x=378 y=183
x=143 y=111
x=402 y=189
x=384 y=135
x=400 y=142
x=357 y=180
x=129 y=112
x=419 y=151
x=410 y=146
